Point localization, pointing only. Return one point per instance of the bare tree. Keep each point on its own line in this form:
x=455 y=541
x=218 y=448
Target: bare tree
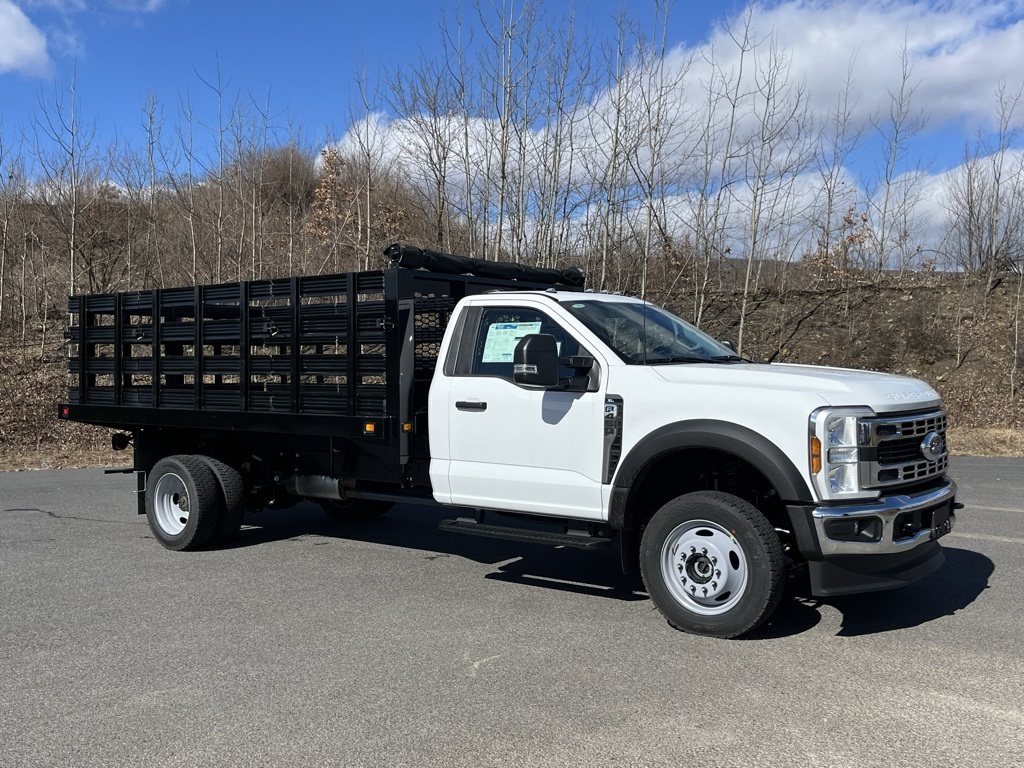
x=9 y=200
x=71 y=179
x=185 y=189
x=507 y=76
x=127 y=214
x=717 y=145
x=614 y=138
x=464 y=84
x=893 y=197
x=1004 y=247
x=664 y=130
x=373 y=164
x=777 y=151
x=1015 y=365
x=215 y=171
x=966 y=189
x=552 y=149
x=837 y=198
x=425 y=105
x=152 y=124
x=291 y=182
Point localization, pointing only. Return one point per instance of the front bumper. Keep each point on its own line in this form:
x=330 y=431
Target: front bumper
x=893 y=524
x=883 y=544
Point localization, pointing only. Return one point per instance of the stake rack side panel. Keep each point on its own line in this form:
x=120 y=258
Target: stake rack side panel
x=303 y=345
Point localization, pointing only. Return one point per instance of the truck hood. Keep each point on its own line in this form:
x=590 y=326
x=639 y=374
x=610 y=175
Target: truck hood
x=883 y=392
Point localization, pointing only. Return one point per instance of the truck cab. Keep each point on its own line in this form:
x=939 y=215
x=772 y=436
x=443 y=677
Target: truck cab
x=847 y=467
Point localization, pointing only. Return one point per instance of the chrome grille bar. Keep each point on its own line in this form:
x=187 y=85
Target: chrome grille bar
x=898 y=459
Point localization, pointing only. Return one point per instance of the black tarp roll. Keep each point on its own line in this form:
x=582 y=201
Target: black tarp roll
x=411 y=257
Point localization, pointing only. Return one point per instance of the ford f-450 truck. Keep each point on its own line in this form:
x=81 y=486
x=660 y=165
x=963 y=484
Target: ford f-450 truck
x=540 y=411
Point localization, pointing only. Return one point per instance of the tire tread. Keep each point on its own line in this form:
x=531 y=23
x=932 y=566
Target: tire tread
x=232 y=489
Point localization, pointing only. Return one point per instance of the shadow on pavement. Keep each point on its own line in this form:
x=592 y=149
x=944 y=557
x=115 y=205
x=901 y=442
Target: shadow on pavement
x=957 y=584
x=795 y=615
x=595 y=573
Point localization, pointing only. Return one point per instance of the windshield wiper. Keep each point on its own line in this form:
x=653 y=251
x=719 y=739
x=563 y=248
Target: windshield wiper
x=695 y=359
x=676 y=359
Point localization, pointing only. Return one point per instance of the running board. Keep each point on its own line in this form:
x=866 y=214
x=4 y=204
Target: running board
x=581 y=540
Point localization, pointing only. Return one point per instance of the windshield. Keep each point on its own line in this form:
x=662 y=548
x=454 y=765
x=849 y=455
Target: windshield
x=644 y=334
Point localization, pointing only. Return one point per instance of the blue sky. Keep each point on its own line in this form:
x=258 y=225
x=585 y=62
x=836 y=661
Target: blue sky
x=303 y=54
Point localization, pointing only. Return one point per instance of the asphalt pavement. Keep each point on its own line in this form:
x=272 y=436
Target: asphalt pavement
x=389 y=643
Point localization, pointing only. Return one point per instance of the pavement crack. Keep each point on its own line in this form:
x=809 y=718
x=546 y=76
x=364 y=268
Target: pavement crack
x=57 y=516
x=54 y=515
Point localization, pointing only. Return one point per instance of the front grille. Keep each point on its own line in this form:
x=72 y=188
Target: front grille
x=899 y=450
x=919 y=426
x=891 y=452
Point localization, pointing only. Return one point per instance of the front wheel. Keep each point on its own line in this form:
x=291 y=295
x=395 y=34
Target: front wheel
x=712 y=564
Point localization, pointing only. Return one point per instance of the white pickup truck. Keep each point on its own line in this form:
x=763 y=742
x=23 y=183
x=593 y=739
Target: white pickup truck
x=571 y=418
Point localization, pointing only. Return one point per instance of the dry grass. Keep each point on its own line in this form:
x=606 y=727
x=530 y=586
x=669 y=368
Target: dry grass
x=980 y=441
x=63 y=458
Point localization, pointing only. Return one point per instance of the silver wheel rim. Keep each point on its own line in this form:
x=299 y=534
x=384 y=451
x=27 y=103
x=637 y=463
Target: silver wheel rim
x=704 y=567
x=171 y=504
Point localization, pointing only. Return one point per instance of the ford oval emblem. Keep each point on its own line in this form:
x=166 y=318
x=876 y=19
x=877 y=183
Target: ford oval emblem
x=933 y=446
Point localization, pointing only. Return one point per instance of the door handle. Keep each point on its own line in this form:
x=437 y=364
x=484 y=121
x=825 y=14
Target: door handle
x=466 y=405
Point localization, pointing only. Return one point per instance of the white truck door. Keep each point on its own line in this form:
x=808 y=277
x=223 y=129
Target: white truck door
x=512 y=447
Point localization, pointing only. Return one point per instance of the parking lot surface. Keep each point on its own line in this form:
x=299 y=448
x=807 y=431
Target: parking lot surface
x=316 y=643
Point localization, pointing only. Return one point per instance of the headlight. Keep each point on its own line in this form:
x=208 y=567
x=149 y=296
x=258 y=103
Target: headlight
x=835 y=452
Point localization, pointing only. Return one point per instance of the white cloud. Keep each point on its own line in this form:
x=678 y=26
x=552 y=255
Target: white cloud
x=959 y=52
x=22 y=45
x=79 y=6
x=138 y=6
x=61 y=6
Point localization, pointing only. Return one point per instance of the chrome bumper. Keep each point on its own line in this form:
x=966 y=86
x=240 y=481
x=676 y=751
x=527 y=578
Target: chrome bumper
x=887 y=509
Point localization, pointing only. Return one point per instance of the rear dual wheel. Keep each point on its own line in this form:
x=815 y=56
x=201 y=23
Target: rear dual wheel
x=712 y=564
x=194 y=501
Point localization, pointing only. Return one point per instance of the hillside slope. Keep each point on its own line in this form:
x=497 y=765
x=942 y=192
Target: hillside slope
x=956 y=337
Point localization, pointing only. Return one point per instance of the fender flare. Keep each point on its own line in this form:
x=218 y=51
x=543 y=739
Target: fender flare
x=745 y=443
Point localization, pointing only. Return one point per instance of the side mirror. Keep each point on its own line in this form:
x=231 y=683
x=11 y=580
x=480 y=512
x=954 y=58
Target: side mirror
x=728 y=344
x=535 y=361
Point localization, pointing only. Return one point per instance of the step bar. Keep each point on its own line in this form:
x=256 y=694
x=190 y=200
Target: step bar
x=578 y=539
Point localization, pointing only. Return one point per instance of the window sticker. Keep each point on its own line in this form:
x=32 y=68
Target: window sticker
x=502 y=339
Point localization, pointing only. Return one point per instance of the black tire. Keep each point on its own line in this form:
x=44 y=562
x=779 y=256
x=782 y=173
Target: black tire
x=349 y=510
x=232 y=487
x=712 y=564
x=184 y=504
